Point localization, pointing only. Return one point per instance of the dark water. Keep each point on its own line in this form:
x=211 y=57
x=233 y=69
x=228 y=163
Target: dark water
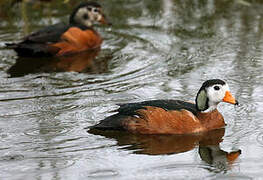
x=154 y=50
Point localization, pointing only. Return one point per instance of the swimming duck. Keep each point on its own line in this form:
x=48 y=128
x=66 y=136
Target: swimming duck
x=173 y=116
x=63 y=39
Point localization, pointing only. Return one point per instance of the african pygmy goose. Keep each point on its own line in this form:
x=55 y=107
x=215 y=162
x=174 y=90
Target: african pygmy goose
x=173 y=116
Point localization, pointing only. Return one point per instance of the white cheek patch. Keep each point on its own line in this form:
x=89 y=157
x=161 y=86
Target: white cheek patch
x=79 y=17
x=92 y=16
x=216 y=96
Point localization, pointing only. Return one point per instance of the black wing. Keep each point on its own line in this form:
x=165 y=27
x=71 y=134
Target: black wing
x=130 y=108
x=36 y=44
x=114 y=122
x=48 y=34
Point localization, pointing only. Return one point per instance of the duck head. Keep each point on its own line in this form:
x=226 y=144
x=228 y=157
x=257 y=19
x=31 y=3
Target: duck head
x=88 y=13
x=211 y=93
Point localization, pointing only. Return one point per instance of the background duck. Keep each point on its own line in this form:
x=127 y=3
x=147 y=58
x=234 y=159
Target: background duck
x=173 y=116
x=63 y=39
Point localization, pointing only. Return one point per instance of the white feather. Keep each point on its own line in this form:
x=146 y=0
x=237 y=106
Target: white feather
x=215 y=96
x=93 y=16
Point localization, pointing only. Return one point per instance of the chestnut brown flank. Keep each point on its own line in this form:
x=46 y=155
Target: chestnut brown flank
x=76 y=40
x=154 y=120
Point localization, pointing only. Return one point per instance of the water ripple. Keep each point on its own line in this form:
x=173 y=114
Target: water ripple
x=101 y=173
x=181 y=171
x=260 y=138
x=47 y=131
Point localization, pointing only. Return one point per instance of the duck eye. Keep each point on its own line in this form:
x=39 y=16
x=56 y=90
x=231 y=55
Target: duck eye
x=216 y=88
x=95 y=10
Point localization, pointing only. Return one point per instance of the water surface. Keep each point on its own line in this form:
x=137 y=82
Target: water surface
x=154 y=50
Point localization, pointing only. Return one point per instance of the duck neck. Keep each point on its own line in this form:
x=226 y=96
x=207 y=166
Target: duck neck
x=82 y=27
x=211 y=120
x=210 y=108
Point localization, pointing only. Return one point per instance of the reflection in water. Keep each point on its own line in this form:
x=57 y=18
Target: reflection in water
x=208 y=143
x=219 y=159
x=82 y=62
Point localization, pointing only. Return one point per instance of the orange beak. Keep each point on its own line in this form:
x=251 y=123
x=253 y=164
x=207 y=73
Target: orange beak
x=231 y=157
x=229 y=98
x=103 y=20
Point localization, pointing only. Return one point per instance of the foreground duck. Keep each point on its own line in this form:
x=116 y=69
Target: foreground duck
x=173 y=116
x=63 y=39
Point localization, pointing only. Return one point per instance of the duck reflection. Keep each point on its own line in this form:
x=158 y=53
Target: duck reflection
x=218 y=158
x=208 y=142
x=84 y=62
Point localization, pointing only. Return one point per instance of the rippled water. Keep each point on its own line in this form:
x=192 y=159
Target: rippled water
x=154 y=50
